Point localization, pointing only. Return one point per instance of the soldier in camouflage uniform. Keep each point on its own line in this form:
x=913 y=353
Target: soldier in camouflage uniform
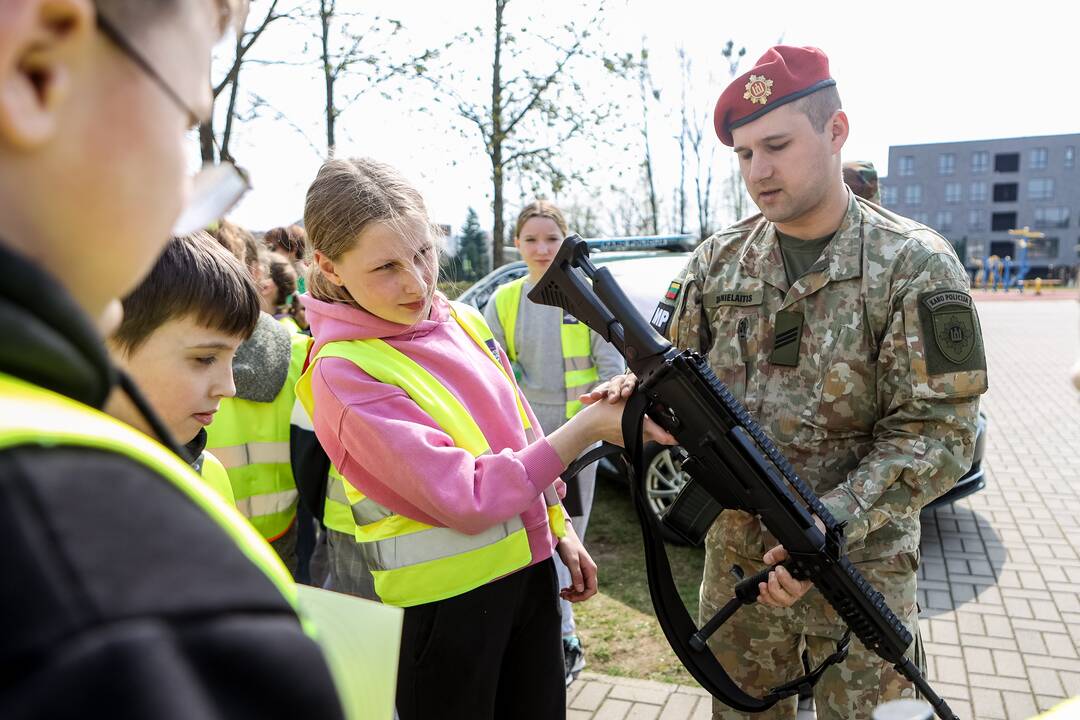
x=861 y=177
x=865 y=365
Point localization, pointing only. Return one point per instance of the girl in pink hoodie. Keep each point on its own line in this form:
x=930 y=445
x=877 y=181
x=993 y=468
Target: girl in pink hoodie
x=482 y=639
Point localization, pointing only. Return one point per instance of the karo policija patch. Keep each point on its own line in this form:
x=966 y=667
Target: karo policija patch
x=954 y=342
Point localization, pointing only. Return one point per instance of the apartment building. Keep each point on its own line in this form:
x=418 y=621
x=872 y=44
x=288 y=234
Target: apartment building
x=974 y=192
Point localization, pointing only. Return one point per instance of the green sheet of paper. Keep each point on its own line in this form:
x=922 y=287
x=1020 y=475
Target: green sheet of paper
x=361 y=640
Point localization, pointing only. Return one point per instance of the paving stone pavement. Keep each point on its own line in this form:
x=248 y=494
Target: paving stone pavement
x=1000 y=576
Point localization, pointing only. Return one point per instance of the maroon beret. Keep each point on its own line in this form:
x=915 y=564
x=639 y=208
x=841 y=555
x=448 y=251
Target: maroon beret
x=783 y=74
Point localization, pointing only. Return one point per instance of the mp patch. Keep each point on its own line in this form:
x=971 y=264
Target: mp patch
x=661 y=317
x=951 y=333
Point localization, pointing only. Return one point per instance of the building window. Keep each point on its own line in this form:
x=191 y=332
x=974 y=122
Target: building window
x=1041 y=189
x=944 y=221
x=953 y=193
x=1070 y=157
x=1051 y=217
x=979 y=192
x=913 y=194
x=1003 y=221
x=976 y=220
x=1007 y=162
x=1038 y=159
x=889 y=196
x=921 y=217
x=1006 y=192
x=980 y=161
x=946 y=163
x=907 y=165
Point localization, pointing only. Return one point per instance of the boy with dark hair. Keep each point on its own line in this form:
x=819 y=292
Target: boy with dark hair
x=133 y=590
x=180 y=331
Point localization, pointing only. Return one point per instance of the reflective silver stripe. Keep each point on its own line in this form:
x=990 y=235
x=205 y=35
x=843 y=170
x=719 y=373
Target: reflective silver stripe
x=269 y=504
x=434 y=544
x=368 y=511
x=255 y=453
x=364 y=512
x=577 y=363
x=530 y=436
x=572 y=393
x=336 y=491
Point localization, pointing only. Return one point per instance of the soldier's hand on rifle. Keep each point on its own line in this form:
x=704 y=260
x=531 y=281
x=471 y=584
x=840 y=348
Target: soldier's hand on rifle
x=782 y=590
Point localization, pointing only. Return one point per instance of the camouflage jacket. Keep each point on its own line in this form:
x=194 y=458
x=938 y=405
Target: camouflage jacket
x=866 y=372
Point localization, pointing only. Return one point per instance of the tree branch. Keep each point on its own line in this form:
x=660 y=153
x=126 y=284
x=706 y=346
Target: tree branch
x=542 y=88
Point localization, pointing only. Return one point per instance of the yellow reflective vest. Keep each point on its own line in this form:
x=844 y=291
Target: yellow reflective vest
x=32 y=415
x=412 y=562
x=251 y=439
x=214 y=474
x=580 y=374
x=290 y=324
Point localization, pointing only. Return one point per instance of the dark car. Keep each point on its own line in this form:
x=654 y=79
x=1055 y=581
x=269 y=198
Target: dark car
x=644 y=276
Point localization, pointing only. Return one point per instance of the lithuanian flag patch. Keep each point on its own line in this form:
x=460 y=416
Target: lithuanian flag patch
x=673 y=290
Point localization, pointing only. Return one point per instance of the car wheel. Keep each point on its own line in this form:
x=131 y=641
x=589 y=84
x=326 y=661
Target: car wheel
x=664 y=480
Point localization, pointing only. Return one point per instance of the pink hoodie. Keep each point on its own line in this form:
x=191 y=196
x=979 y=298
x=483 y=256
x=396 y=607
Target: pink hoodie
x=395 y=453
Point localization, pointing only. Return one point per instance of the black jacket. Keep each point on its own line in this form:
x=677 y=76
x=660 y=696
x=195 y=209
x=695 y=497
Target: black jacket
x=120 y=598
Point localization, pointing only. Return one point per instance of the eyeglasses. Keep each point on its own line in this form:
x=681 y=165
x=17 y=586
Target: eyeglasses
x=216 y=188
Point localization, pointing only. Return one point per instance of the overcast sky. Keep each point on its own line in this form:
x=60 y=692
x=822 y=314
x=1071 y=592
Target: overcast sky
x=913 y=72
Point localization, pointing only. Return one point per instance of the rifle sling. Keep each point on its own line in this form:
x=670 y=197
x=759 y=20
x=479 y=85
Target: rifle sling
x=671 y=613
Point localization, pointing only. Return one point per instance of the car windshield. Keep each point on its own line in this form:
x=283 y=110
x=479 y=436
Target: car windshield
x=645 y=279
x=643 y=276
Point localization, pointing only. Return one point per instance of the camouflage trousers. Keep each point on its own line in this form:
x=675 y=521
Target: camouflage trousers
x=762 y=647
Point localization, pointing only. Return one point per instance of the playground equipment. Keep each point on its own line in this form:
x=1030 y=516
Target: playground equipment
x=990 y=270
x=1025 y=235
x=993 y=271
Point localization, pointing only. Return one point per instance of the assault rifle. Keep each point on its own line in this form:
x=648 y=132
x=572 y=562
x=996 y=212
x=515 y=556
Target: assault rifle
x=734 y=465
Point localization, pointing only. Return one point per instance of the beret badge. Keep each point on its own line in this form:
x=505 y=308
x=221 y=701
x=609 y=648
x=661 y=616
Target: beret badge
x=758 y=89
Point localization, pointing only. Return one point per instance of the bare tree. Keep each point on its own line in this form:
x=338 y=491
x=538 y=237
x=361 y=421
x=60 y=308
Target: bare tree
x=231 y=81
x=738 y=201
x=526 y=115
x=704 y=153
x=582 y=219
x=648 y=90
x=684 y=129
x=624 y=212
x=356 y=58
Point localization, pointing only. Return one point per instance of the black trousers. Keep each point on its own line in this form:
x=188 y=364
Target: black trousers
x=493 y=653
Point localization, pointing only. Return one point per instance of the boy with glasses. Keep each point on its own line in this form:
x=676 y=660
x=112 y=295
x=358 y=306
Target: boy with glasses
x=133 y=591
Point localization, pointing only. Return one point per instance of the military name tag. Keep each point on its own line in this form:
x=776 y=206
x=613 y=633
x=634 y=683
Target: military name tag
x=787 y=339
x=738 y=298
x=954 y=344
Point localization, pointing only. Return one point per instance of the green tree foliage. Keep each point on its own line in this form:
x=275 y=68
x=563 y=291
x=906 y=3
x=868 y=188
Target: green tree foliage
x=473 y=254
